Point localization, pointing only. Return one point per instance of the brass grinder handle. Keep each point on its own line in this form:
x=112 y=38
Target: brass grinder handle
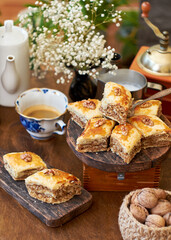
x=145 y=7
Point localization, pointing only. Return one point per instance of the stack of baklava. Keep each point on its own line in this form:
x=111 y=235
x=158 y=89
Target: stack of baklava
x=107 y=125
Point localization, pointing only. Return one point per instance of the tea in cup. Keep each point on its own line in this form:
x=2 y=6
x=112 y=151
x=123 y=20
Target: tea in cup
x=41 y=112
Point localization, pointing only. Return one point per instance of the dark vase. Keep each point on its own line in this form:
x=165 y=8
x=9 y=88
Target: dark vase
x=82 y=87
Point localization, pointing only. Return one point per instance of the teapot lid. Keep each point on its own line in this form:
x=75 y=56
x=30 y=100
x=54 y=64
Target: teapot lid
x=11 y=35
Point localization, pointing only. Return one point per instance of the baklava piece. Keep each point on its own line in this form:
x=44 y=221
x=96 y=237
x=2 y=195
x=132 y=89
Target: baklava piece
x=22 y=164
x=125 y=141
x=95 y=137
x=152 y=107
x=155 y=133
x=84 y=110
x=116 y=102
x=53 y=186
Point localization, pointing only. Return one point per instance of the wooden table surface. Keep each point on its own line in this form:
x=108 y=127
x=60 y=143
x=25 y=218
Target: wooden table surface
x=99 y=222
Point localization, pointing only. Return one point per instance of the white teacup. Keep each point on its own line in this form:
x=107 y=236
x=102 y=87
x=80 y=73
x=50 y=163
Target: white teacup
x=41 y=112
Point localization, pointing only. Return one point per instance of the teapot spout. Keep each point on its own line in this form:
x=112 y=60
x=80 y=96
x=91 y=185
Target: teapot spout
x=9 y=78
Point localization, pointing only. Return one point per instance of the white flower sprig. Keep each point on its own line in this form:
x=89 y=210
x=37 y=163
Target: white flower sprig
x=64 y=38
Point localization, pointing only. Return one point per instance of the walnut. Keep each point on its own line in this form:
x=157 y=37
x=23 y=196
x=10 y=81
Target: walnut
x=134 y=198
x=117 y=92
x=147 y=198
x=147 y=121
x=89 y=104
x=163 y=206
x=146 y=105
x=49 y=172
x=26 y=157
x=139 y=212
x=154 y=220
x=160 y=193
x=167 y=218
x=99 y=123
x=124 y=130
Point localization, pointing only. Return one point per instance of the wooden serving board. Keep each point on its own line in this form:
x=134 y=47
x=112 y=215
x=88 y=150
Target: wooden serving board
x=52 y=215
x=110 y=162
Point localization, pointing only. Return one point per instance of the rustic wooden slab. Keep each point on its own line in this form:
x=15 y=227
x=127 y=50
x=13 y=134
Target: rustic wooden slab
x=110 y=162
x=51 y=215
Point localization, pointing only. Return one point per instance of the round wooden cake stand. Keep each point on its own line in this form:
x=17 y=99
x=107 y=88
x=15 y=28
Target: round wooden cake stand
x=110 y=162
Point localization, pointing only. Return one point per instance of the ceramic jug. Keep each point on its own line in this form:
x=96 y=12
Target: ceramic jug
x=14 y=63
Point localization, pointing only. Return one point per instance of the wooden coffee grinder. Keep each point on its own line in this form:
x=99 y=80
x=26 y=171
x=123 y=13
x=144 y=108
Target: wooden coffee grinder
x=155 y=62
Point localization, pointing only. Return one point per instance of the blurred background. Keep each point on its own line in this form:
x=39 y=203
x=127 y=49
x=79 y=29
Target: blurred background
x=123 y=39
x=127 y=39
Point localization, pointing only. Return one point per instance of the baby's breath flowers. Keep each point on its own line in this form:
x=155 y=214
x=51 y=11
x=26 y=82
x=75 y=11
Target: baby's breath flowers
x=64 y=36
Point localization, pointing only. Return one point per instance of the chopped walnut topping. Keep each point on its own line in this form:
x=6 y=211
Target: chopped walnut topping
x=89 y=104
x=124 y=130
x=26 y=157
x=99 y=123
x=117 y=91
x=146 y=105
x=50 y=172
x=147 y=121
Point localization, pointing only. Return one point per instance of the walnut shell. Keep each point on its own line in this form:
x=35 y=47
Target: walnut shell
x=147 y=198
x=160 y=193
x=134 y=198
x=154 y=220
x=167 y=218
x=163 y=206
x=139 y=212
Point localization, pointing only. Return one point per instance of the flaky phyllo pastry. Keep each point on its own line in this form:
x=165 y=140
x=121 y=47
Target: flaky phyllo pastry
x=84 y=110
x=95 y=137
x=152 y=107
x=116 y=102
x=22 y=164
x=155 y=133
x=53 y=186
x=125 y=141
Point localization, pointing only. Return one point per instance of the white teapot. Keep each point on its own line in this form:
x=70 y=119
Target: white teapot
x=14 y=63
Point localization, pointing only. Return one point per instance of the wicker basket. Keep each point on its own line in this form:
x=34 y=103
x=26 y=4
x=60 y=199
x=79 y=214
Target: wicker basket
x=131 y=229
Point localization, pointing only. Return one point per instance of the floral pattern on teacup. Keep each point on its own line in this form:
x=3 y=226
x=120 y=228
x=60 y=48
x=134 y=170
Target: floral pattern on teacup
x=31 y=125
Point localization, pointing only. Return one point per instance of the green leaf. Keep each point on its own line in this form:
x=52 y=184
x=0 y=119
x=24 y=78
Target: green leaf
x=30 y=5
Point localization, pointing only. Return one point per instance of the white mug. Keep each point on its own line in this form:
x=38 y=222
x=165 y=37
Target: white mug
x=42 y=128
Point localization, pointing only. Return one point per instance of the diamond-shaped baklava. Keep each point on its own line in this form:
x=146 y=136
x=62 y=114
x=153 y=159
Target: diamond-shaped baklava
x=125 y=141
x=155 y=133
x=22 y=164
x=53 y=186
x=116 y=102
x=95 y=137
x=84 y=110
x=152 y=107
